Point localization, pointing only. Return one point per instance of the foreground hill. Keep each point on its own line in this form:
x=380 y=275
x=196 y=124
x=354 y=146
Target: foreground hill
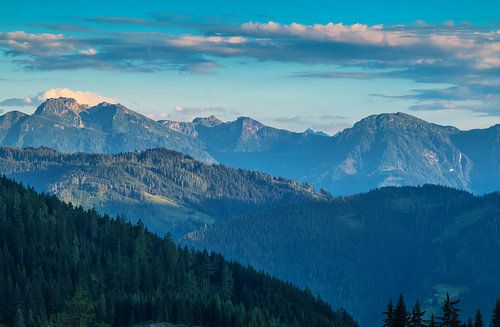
x=167 y=190
x=63 y=266
x=359 y=251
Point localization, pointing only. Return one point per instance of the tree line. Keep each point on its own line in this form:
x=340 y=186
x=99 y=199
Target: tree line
x=399 y=316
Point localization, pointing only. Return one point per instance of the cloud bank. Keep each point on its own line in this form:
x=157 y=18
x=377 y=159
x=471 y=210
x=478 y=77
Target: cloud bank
x=464 y=56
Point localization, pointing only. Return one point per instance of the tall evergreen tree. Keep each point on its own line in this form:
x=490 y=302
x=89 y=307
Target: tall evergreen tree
x=478 y=319
x=495 y=317
x=389 y=315
x=451 y=313
x=400 y=313
x=417 y=316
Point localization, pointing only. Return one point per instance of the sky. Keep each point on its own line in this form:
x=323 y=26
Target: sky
x=291 y=64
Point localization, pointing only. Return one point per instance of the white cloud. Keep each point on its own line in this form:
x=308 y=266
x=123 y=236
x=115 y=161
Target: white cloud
x=90 y=98
x=89 y=52
x=41 y=44
x=338 y=32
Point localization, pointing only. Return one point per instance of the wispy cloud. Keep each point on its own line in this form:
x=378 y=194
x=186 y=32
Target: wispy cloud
x=480 y=97
x=340 y=74
x=187 y=114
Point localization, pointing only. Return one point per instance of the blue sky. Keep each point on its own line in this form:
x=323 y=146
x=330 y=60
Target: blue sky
x=291 y=64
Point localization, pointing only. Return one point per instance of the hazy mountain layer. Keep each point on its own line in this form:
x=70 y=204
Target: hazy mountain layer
x=380 y=150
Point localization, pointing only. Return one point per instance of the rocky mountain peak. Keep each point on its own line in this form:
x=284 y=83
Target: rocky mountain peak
x=74 y=105
x=61 y=106
x=311 y=131
x=181 y=127
x=209 y=121
x=398 y=122
x=64 y=111
x=249 y=126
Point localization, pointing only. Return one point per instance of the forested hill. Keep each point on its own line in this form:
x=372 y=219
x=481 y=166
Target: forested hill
x=65 y=266
x=359 y=251
x=167 y=190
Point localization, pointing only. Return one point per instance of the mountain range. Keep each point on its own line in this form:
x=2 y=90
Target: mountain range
x=167 y=190
x=359 y=251
x=381 y=150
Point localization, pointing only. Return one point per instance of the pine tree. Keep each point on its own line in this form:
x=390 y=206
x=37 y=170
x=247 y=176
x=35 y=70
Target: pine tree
x=478 y=320
x=495 y=317
x=417 y=315
x=389 y=315
x=400 y=313
x=450 y=313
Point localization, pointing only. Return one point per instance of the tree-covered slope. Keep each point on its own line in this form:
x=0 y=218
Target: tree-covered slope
x=64 y=266
x=167 y=190
x=359 y=251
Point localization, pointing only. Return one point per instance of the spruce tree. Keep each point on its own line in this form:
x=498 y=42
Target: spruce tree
x=389 y=315
x=450 y=313
x=478 y=319
x=495 y=317
x=400 y=313
x=417 y=315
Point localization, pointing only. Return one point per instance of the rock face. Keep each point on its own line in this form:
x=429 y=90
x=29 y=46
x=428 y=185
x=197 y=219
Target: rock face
x=396 y=149
x=392 y=149
x=67 y=126
x=381 y=150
